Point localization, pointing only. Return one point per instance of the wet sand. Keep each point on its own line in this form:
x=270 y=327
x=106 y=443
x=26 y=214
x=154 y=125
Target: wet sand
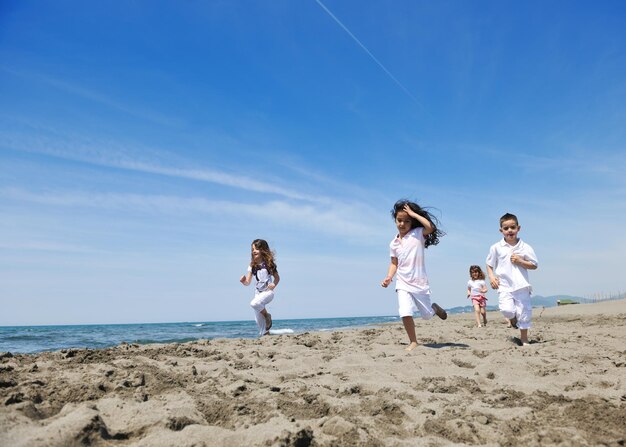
x=462 y=385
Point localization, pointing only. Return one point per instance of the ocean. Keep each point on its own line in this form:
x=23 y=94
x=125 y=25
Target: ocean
x=32 y=339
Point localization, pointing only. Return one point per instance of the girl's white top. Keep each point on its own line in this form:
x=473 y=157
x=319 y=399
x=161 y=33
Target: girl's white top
x=477 y=286
x=512 y=277
x=409 y=250
x=262 y=276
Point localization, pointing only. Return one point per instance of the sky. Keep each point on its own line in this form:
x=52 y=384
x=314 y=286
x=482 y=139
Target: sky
x=145 y=144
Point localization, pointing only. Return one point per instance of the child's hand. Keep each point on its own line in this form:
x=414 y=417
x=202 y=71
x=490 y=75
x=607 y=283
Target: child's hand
x=515 y=258
x=242 y=280
x=386 y=281
x=271 y=286
x=407 y=209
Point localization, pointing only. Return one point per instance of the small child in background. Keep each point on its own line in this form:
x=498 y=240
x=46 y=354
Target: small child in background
x=417 y=230
x=263 y=267
x=476 y=289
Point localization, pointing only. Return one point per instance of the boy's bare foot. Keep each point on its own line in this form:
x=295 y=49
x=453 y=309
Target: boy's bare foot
x=412 y=346
x=268 y=321
x=441 y=313
x=480 y=325
x=513 y=322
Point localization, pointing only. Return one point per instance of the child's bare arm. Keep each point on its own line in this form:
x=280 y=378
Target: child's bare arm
x=245 y=279
x=393 y=268
x=493 y=279
x=273 y=285
x=428 y=226
x=469 y=291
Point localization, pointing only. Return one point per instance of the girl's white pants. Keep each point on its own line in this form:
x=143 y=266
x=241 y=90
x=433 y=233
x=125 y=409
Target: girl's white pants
x=517 y=304
x=258 y=303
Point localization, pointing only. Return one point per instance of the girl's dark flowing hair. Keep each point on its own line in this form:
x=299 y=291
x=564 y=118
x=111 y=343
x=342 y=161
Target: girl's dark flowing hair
x=432 y=238
x=266 y=254
x=477 y=269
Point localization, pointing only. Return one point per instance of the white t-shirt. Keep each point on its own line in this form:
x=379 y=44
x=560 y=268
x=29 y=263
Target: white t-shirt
x=262 y=276
x=409 y=250
x=512 y=277
x=476 y=287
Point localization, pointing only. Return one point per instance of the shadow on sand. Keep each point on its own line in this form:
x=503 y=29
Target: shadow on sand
x=445 y=345
x=518 y=341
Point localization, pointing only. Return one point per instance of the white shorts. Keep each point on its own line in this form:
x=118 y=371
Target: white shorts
x=411 y=302
x=517 y=304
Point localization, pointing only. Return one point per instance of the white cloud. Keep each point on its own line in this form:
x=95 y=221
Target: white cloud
x=74 y=88
x=102 y=154
x=350 y=220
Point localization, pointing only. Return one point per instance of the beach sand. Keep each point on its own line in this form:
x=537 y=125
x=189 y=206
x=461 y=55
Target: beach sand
x=462 y=385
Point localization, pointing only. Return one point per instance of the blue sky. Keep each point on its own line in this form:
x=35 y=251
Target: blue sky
x=144 y=145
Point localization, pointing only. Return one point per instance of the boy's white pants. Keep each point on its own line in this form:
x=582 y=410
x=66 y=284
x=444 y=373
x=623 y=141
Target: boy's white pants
x=410 y=302
x=517 y=304
x=258 y=303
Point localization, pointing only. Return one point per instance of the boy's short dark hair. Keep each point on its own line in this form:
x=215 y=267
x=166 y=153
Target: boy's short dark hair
x=509 y=216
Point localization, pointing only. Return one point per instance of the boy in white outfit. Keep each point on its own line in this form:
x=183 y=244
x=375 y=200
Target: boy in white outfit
x=508 y=263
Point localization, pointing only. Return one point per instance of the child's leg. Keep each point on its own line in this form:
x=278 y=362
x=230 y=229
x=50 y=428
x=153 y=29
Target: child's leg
x=258 y=304
x=409 y=327
x=406 y=308
x=524 y=312
x=426 y=309
x=523 y=336
x=506 y=304
x=268 y=319
x=477 y=313
x=483 y=311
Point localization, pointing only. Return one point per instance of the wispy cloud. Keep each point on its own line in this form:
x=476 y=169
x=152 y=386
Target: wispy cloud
x=585 y=162
x=369 y=53
x=74 y=88
x=588 y=164
x=319 y=219
x=92 y=153
x=47 y=246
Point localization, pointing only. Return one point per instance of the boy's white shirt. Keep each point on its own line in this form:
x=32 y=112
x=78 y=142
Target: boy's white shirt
x=512 y=277
x=409 y=250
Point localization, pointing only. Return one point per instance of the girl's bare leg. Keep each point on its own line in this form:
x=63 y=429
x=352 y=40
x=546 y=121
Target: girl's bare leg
x=483 y=311
x=409 y=327
x=477 y=314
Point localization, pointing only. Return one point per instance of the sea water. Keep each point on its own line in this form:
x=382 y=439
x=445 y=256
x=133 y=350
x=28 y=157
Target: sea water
x=31 y=339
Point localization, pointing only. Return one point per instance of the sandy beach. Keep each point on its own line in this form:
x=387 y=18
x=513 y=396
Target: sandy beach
x=462 y=385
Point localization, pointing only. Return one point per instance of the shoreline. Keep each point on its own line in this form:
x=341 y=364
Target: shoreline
x=181 y=332
x=462 y=385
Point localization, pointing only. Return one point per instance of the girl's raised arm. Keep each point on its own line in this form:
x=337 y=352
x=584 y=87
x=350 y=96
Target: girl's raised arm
x=427 y=224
